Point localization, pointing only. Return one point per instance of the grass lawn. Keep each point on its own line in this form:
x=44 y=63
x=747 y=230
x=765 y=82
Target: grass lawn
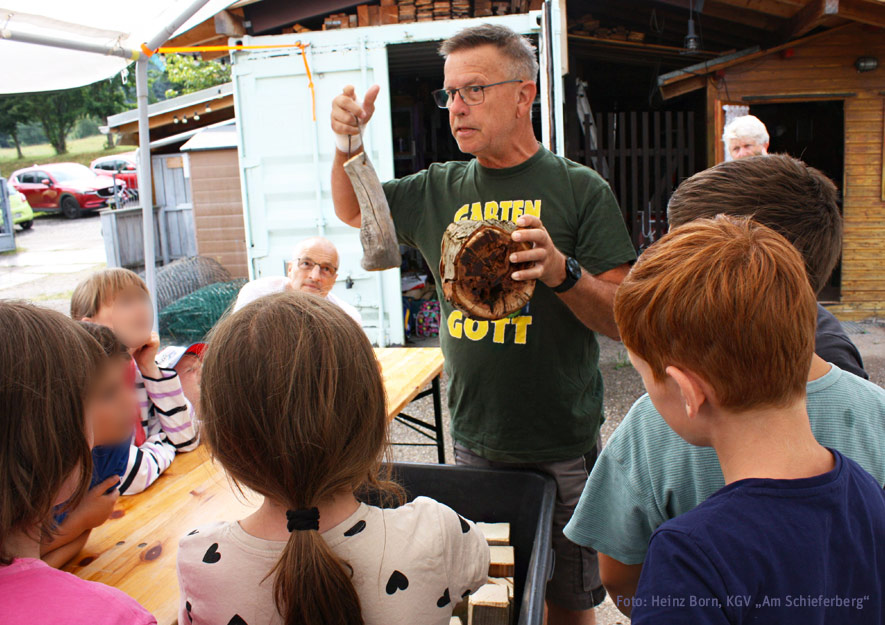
x=82 y=151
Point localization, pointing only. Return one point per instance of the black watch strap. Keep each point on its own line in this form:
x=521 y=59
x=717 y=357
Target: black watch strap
x=572 y=275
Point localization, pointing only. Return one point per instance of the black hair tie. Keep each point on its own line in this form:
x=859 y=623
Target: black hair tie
x=307 y=519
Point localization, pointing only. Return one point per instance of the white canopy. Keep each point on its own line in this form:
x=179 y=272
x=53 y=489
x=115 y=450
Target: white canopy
x=58 y=44
x=112 y=25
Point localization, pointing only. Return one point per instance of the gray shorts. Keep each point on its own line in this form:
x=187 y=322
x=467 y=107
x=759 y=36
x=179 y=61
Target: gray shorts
x=575 y=584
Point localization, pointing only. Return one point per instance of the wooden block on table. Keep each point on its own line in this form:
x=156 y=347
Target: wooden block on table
x=506 y=582
x=489 y=605
x=501 y=561
x=455 y=621
x=388 y=3
x=495 y=533
x=374 y=15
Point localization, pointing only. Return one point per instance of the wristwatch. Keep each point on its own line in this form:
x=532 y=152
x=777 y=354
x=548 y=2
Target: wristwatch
x=572 y=275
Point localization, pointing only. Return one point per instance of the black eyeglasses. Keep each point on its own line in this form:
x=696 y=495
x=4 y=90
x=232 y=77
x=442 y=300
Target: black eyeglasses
x=471 y=96
x=307 y=265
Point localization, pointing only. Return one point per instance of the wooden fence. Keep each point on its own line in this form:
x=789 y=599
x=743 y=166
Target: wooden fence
x=643 y=155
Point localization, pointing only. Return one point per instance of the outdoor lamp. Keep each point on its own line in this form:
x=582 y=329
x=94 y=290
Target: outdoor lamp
x=866 y=63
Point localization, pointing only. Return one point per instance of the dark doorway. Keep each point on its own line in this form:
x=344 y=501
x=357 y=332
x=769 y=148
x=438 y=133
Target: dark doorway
x=815 y=133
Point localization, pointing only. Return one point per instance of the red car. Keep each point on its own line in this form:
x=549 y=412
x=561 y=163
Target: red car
x=69 y=187
x=123 y=164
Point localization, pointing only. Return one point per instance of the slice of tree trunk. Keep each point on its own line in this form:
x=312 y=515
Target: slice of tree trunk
x=377 y=234
x=475 y=269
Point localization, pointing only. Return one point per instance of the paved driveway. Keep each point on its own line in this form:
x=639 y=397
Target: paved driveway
x=51 y=258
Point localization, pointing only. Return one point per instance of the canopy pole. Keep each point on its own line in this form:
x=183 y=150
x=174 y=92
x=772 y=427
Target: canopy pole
x=145 y=190
x=169 y=29
x=109 y=49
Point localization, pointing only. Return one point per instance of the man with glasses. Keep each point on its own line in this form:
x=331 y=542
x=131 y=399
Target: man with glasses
x=524 y=391
x=313 y=269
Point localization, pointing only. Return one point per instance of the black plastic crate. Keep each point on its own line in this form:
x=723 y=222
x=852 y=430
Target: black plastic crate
x=522 y=498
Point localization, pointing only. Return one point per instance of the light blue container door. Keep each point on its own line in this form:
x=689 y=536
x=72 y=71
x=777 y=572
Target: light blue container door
x=286 y=160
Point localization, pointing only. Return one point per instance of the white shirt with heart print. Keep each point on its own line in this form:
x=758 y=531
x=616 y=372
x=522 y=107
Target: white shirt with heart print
x=411 y=565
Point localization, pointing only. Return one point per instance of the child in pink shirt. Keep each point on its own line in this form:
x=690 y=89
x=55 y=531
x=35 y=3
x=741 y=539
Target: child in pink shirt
x=45 y=459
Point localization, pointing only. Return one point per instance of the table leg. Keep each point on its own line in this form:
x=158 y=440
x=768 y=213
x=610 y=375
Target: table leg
x=437 y=418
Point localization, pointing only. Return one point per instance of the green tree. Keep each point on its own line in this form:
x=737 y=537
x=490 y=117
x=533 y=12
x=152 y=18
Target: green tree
x=188 y=74
x=104 y=98
x=57 y=112
x=13 y=111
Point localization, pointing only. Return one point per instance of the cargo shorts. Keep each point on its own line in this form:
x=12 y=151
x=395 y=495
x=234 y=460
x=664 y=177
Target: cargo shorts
x=575 y=584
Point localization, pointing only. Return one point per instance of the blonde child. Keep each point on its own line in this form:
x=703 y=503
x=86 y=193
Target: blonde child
x=45 y=439
x=110 y=404
x=164 y=423
x=299 y=417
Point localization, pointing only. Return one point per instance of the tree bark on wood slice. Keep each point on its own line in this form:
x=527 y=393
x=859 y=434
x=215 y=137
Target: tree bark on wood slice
x=475 y=269
x=377 y=234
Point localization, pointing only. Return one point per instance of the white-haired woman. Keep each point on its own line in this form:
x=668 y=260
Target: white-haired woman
x=745 y=136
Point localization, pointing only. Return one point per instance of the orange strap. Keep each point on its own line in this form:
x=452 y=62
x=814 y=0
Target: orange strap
x=313 y=95
x=186 y=49
x=301 y=46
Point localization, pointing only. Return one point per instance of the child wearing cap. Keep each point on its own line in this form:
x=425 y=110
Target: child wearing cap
x=718 y=318
x=165 y=423
x=188 y=364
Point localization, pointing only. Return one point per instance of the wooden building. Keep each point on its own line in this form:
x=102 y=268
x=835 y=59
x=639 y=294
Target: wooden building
x=818 y=87
x=216 y=197
x=645 y=83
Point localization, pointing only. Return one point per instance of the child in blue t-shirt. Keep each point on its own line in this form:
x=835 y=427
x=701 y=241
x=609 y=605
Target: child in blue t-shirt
x=109 y=407
x=719 y=319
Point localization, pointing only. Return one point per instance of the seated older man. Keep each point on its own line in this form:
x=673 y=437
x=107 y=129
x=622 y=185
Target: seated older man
x=313 y=269
x=745 y=136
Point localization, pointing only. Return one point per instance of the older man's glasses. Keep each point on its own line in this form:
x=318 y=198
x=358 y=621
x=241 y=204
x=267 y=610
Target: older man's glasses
x=306 y=265
x=471 y=95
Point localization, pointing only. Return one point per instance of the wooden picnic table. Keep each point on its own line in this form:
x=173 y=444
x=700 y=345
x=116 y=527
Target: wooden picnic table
x=135 y=550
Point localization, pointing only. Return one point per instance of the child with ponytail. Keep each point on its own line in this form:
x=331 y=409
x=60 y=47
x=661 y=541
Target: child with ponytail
x=293 y=408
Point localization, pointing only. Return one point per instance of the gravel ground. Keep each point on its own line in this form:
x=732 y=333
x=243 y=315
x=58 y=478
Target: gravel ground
x=57 y=253
x=51 y=258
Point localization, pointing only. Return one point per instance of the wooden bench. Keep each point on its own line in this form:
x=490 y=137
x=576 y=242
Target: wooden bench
x=135 y=550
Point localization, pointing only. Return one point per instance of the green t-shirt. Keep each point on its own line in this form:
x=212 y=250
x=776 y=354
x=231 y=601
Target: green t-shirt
x=525 y=388
x=647 y=474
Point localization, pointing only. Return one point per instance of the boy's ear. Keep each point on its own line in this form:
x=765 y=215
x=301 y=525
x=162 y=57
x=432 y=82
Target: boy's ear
x=89 y=319
x=694 y=392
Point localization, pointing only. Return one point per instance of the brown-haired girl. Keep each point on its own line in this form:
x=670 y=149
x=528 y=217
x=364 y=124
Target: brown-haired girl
x=47 y=362
x=294 y=409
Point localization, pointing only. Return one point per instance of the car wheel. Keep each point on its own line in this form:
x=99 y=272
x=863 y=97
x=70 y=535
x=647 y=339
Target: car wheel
x=26 y=225
x=70 y=207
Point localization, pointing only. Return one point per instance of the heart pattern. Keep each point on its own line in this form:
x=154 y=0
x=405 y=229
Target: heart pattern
x=212 y=556
x=187 y=606
x=237 y=620
x=444 y=600
x=191 y=533
x=397 y=581
x=465 y=526
x=466 y=593
x=356 y=529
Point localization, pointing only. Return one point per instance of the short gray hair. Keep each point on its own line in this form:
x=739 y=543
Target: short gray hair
x=746 y=127
x=514 y=46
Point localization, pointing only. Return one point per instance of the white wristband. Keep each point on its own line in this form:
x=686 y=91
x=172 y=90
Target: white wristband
x=347 y=143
